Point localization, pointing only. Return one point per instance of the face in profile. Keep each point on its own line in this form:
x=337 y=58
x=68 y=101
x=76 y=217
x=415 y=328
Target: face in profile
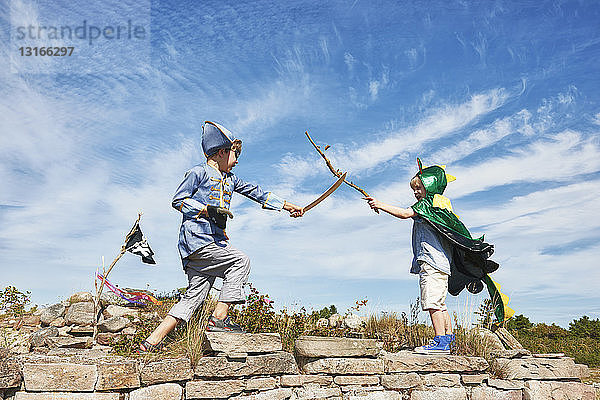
x=418 y=189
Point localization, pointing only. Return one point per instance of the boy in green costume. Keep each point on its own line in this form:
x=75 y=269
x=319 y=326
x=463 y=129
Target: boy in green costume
x=446 y=257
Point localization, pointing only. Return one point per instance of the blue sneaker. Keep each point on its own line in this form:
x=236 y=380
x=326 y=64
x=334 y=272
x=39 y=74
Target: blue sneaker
x=438 y=345
x=450 y=338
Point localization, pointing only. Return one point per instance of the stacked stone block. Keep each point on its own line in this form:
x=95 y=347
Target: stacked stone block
x=253 y=366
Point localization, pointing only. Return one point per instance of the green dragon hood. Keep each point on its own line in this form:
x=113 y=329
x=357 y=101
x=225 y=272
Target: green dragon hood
x=434 y=206
x=433 y=178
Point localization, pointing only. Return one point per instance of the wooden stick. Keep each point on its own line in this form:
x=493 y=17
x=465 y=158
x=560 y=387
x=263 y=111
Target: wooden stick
x=105 y=276
x=335 y=171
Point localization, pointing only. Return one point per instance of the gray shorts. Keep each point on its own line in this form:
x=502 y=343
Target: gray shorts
x=202 y=267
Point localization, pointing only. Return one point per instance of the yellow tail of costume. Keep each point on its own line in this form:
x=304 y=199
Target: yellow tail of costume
x=499 y=300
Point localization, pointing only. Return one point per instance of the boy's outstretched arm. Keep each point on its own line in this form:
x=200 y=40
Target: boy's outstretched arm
x=393 y=210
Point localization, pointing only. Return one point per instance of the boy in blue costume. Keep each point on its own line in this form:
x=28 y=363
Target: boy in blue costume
x=204 y=198
x=445 y=255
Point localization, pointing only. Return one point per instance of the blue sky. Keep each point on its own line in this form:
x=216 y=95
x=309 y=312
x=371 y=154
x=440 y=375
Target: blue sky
x=504 y=93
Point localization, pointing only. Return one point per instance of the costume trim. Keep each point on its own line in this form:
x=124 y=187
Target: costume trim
x=182 y=201
x=201 y=211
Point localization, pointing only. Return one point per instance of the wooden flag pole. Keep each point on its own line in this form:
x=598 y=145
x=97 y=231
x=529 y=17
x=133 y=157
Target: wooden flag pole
x=97 y=308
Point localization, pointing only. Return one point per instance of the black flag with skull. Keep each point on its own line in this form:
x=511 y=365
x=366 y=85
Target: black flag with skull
x=138 y=245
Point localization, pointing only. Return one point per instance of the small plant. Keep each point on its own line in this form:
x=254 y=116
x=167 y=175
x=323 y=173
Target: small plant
x=257 y=314
x=13 y=301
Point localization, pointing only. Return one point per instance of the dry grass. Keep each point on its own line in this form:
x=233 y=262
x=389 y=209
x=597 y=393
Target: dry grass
x=188 y=339
x=185 y=341
x=399 y=331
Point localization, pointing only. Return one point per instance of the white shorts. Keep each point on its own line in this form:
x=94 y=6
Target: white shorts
x=434 y=287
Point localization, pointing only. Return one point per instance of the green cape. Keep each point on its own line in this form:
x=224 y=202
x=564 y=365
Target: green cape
x=470 y=264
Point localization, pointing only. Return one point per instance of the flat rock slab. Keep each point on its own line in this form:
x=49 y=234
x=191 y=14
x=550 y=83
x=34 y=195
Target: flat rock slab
x=402 y=381
x=406 y=361
x=10 y=371
x=275 y=394
x=118 y=375
x=474 y=379
x=438 y=394
x=213 y=389
x=538 y=368
x=265 y=364
x=165 y=391
x=169 y=370
x=299 y=380
x=65 y=377
x=360 y=380
x=66 y=396
x=516 y=353
x=316 y=346
x=383 y=395
x=344 y=366
x=535 y=390
x=69 y=342
x=441 y=380
x=488 y=393
x=118 y=311
x=310 y=393
x=505 y=384
x=229 y=342
x=262 y=383
x=509 y=341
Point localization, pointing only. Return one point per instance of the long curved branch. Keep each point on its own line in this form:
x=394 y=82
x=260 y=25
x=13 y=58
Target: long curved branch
x=334 y=171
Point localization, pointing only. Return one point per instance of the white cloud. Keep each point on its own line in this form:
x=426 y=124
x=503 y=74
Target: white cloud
x=350 y=61
x=438 y=124
x=483 y=138
x=376 y=85
x=559 y=158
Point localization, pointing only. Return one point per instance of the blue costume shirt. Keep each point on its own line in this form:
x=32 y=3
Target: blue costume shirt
x=205 y=185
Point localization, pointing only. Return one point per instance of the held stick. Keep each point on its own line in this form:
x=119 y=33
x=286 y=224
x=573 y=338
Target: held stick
x=336 y=172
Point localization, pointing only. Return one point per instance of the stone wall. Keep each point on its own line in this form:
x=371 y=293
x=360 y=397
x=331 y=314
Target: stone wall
x=253 y=366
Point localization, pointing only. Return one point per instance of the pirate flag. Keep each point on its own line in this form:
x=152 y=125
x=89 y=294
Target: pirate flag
x=136 y=244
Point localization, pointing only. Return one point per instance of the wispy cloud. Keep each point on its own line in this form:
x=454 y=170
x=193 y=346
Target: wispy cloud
x=484 y=138
x=376 y=85
x=439 y=123
x=556 y=159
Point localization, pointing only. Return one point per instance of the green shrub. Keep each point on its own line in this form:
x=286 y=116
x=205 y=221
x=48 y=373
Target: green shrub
x=519 y=323
x=13 y=301
x=585 y=327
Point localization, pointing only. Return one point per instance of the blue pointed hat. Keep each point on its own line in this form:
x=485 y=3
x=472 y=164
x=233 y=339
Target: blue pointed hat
x=215 y=137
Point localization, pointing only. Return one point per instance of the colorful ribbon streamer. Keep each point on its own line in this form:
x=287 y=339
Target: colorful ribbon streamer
x=132 y=297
